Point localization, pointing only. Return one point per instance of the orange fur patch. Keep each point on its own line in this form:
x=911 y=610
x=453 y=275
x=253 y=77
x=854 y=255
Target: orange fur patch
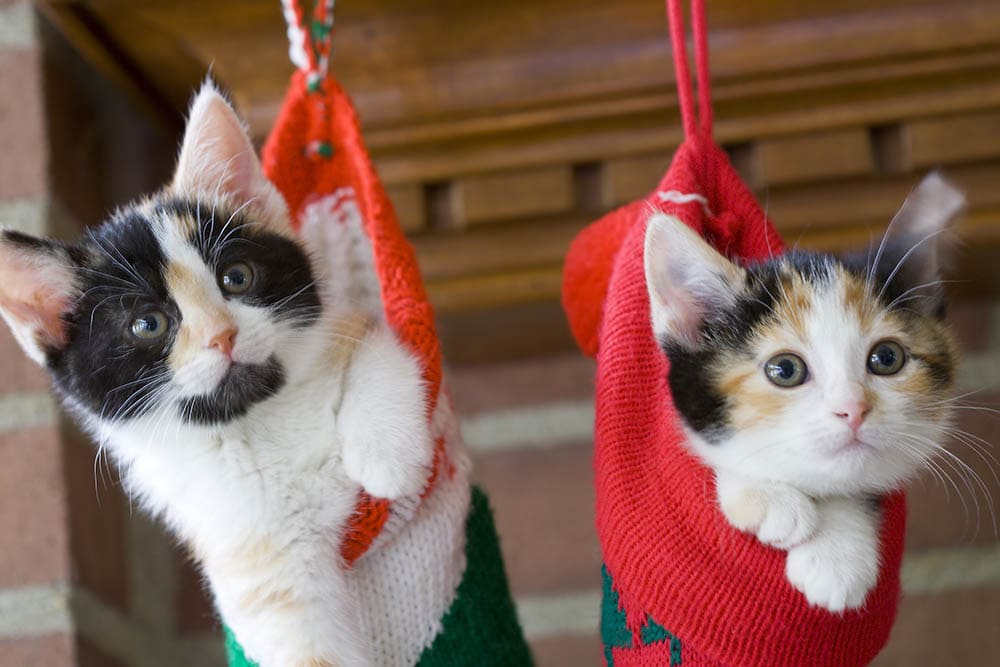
x=261 y=598
x=203 y=315
x=315 y=662
x=858 y=299
x=752 y=402
x=348 y=333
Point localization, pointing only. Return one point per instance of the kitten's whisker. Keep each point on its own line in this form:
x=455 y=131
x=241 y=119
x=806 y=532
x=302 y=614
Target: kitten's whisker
x=931 y=283
x=881 y=245
x=868 y=260
x=906 y=256
x=975 y=408
x=969 y=475
x=239 y=209
x=961 y=396
x=107 y=276
x=937 y=464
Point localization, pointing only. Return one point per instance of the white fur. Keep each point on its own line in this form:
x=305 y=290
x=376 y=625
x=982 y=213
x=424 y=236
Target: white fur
x=839 y=565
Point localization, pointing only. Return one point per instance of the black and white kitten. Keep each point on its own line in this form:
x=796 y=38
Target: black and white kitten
x=245 y=394
x=810 y=384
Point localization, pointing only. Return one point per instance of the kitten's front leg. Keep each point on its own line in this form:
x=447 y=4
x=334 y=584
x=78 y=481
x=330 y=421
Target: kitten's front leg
x=777 y=514
x=840 y=564
x=289 y=607
x=383 y=419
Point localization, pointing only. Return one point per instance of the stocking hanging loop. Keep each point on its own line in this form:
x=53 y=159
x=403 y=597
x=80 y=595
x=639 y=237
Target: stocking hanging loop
x=682 y=73
x=310 y=46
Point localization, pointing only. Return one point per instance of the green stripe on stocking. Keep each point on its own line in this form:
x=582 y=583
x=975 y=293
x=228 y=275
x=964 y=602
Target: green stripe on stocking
x=481 y=626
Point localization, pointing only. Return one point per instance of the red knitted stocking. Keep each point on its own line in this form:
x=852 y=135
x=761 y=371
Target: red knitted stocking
x=682 y=585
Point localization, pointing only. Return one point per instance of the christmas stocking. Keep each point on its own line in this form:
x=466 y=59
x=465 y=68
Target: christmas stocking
x=681 y=586
x=426 y=571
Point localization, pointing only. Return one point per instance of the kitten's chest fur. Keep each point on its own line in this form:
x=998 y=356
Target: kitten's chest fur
x=277 y=472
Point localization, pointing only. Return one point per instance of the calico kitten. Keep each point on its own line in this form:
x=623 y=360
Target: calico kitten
x=810 y=384
x=245 y=395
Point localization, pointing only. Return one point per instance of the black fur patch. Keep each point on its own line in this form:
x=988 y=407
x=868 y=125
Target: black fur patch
x=120 y=271
x=283 y=277
x=695 y=395
x=30 y=242
x=242 y=387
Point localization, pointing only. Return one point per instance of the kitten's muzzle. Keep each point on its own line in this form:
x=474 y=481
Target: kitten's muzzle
x=224 y=342
x=853 y=413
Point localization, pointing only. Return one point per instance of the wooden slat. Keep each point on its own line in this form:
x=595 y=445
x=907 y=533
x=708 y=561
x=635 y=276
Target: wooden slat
x=497 y=248
x=411 y=206
x=510 y=195
x=950 y=139
x=631 y=177
x=496 y=290
x=851 y=202
x=660 y=131
x=811 y=157
x=979 y=233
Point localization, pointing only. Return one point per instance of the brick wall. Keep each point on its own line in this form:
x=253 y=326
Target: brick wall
x=84 y=580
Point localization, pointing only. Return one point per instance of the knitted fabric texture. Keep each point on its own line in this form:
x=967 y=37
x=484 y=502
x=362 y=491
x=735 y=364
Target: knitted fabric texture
x=680 y=572
x=425 y=571
x=322 y=115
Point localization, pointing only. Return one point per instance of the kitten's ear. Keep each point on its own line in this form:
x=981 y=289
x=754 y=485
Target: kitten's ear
x=217 y=160
x=916 y=243
x=687 y=280
x=37 y=287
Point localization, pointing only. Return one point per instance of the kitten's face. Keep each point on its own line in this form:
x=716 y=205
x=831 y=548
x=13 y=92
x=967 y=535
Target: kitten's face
x=830 y=375
x=187 y=305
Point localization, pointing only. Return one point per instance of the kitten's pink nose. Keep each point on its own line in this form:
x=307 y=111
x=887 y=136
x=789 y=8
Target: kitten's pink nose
x=854 y=413
x=224 y=341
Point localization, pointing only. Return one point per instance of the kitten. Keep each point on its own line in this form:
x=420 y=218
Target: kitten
x=246 y=396
x=810 y=384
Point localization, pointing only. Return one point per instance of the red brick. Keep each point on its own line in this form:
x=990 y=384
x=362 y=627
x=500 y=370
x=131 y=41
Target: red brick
x=960 y=628
x=568 y=651
x=97 y=521
x=193 y=603
x=544 y=505
x=19 y=372
x=937 y=514
x=34 y=535
x=484 y=387
x=48 y=651
x=22 y=125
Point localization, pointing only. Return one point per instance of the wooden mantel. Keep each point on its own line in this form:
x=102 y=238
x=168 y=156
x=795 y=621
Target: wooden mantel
x=501 y=128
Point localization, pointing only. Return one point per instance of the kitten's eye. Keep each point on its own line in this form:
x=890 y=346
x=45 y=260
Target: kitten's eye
x=149 y=327
x=886 y=358
x=786 y=370
x=236 y=278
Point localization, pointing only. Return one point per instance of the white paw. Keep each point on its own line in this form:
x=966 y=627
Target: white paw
x=827 y=578
x=390 y=467
x=777 y=515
